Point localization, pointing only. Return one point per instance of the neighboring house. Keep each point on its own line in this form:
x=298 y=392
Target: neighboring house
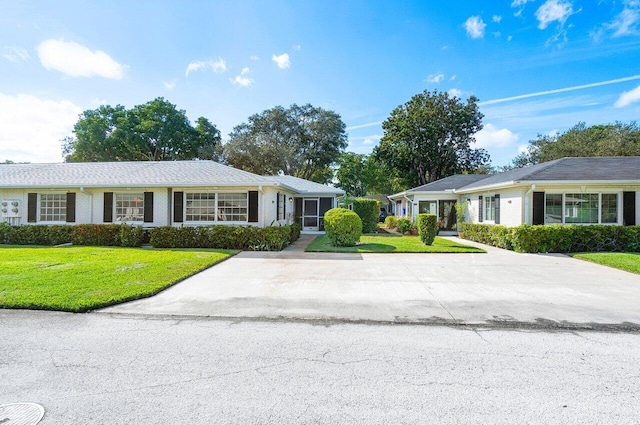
x=598 y=190
x=166 y=193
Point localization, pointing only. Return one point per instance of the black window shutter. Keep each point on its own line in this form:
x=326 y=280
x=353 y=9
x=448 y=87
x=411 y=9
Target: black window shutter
x=148 y=207
x=32 y=207
x=284 y=207
x=107 y=212
x=480 y=218
x=538 y=208
x=297 y=211
x=497 y=216
x=253 y=206
x=71 y=207
x=629 y=208
x=278 y=206
x=178 y=202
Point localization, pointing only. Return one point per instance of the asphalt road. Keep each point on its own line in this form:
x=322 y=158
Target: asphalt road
x=117 y=369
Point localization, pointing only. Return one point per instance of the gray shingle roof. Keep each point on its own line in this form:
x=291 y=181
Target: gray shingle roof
x=619 y=168
x=305 y=186
x=448 y=183
x=127 y=174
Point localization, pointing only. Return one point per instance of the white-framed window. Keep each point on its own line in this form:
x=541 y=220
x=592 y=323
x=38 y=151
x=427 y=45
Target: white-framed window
x=53 y=207
x=200 y=206
x=581 y=208
x=489 y=208
x=129 y=207
x=233 y=206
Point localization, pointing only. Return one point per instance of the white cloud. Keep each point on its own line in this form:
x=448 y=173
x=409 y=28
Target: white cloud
x=367 y=141
x=624 y=24
x=475 y=27
x=15 y=54
x=523 y=148
x=435 y=78
x=628 y=97
x=76 y=60
x=552 y=11
x=455 y=93
x=492 y=137
x=453 y=77
x=282 y=61
x=296 y=47
x=31 y=128
x=242 y=79
x=218 y=66
x=518 y=3
x=254 y=58
x=497 y=19
x=169 y=85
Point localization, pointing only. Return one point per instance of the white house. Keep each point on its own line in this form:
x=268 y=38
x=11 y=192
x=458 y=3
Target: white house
x=598 y=190
x=162 y=193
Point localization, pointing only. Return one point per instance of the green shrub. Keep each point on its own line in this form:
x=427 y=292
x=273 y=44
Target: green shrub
x=96 y=234
x=36 y=234
x=131 y=236
x=294 y=232
x=556 y=238
x=404 y=225
x=368 y=210
x=343 y=227
x=391 y=222
x=5 y=230
x=273 y=238
x=427 y=226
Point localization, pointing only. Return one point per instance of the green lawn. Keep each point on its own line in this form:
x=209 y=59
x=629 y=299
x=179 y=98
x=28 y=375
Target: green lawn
x=391 y=243
x=620 y=260
x=85 y=278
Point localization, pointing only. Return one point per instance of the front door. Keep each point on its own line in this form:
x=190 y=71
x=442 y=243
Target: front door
x=447 y=215
x=310 y=214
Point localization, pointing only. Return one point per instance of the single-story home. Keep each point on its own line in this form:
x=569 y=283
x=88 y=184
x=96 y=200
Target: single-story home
x=598 y=190
x=165 y=193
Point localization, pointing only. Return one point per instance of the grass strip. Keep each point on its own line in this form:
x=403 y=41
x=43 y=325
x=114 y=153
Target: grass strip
x=392 y=244
x=627 y=261
x=79 y=279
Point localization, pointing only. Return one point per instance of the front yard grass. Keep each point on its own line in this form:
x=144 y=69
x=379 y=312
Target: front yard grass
x=79 y=279
x=627 y=261
x=392 y=243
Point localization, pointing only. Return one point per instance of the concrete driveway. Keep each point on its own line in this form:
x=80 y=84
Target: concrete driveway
x=498 y=288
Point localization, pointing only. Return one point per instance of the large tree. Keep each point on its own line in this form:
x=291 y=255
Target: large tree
x=360 y=174
x=617 y=139
x=302 y=141
x=430 y=137
x=154 y=131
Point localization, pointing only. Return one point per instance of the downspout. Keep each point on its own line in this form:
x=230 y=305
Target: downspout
x=527 y=213
x=409 y=202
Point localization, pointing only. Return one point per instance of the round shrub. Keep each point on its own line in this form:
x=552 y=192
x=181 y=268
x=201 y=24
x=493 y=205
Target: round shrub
x=343 y=227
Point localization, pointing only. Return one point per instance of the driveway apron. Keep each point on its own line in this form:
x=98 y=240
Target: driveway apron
x=497 y=287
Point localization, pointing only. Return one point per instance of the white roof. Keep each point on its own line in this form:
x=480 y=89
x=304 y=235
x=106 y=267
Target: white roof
x=144 y=174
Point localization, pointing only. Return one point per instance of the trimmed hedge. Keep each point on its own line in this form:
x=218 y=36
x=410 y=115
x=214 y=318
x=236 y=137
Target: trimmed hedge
x=556 y=238
x=427 y=226
x=343 y=227
x=247 y=238
x=220 y=236
x=369 y=211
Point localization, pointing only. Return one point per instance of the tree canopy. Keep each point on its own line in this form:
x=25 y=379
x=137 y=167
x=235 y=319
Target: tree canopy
x=302 y=141
x=617 y=139
x=360 y=175
x=154 y=131
x=430 y=137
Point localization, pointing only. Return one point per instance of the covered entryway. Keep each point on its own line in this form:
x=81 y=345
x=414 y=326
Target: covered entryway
x=309 y=212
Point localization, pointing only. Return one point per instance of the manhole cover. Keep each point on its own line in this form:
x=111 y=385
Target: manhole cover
x=20 y=414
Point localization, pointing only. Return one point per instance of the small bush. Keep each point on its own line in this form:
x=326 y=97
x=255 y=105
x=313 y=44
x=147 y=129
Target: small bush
x=96 y=234
x=5 y=230
x=391 y=222
x=368 y=210
x=427 y=226
x=404 y=225
x=343 y=227
x=131 y=236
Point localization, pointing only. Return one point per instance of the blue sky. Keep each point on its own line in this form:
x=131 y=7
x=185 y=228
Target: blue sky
x=537 y=66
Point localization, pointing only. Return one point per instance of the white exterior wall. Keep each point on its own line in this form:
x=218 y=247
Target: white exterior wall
x=269 y=201
x=21 y=197
x=511 y=206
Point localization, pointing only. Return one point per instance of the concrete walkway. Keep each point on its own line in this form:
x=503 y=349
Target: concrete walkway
x=498 y=288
